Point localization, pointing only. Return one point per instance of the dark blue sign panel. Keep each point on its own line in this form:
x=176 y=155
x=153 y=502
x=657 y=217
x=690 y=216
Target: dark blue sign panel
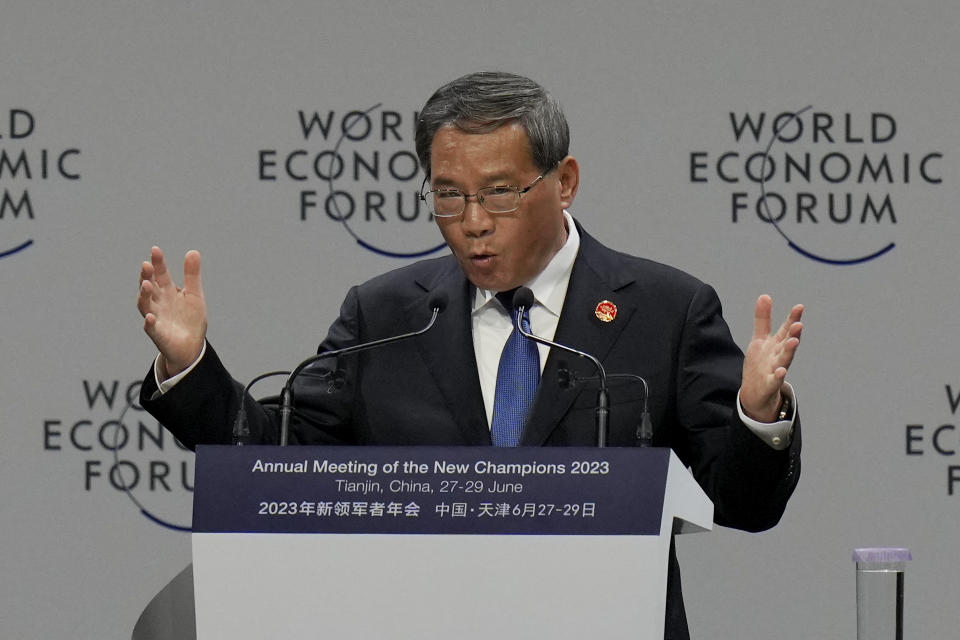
x=430 y=490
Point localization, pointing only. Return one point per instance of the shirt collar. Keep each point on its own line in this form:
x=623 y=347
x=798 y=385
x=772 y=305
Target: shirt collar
x=550 y=285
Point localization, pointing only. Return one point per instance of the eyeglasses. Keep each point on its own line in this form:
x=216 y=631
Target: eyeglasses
x=501 y=198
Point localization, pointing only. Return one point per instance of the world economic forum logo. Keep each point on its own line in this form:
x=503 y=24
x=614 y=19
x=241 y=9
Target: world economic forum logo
x=356 y=168
x=26 y=167
x=833 y=186
x=115 y=448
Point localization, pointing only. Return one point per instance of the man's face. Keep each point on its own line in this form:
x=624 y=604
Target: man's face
x=500 y=251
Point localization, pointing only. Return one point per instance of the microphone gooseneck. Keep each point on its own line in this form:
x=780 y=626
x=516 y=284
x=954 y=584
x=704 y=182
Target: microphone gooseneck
x=569 y=379
x=241 y=431
x=522 y=301
x=437 y=303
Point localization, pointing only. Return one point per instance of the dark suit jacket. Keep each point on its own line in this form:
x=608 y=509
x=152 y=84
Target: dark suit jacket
x=426 y=391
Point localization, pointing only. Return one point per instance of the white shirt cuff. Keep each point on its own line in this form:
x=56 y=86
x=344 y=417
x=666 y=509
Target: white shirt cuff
x=169 y=383
x=776 y=434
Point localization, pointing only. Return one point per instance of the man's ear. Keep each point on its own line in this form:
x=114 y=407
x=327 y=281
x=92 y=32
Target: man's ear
x=568 y=173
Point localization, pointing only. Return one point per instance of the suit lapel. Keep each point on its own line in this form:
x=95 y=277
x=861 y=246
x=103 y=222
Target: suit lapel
x=595 y=278
x=447 y=350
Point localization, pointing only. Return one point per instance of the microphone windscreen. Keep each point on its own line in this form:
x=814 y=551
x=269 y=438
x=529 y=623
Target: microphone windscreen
x=523 y=297
x=438 y=301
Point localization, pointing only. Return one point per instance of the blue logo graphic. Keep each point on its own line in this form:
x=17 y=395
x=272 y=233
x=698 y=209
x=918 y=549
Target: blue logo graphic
x=16 y=249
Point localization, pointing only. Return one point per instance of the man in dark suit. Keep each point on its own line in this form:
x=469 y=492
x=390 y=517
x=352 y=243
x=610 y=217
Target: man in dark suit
x=494 y=148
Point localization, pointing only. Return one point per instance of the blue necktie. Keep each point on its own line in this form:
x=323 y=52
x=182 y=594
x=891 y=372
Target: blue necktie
x=517 y=378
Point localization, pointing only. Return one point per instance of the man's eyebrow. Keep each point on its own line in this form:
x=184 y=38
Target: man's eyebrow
x=444 y=183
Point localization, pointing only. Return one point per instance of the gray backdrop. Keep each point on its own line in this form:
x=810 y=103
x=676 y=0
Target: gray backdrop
x=127 y=124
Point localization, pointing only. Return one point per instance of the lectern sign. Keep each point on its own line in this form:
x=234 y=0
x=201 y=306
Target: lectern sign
x=428 y=490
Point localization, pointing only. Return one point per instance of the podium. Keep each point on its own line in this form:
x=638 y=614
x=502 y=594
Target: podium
x=437 y=542
x=424 y=542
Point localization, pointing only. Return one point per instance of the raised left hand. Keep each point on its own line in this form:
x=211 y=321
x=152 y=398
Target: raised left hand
x=767 y=359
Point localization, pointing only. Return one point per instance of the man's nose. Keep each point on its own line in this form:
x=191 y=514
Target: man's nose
x=476 y=221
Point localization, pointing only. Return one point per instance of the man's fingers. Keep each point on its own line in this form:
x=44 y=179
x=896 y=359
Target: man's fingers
x=795 y=330
x=191 y=273
x=790 y=325
x=779 y=376
x=146 y=272
x=160 y=274
x=149 y=323
x=761 y=316
x=789 y=350
x=145 y=297
x=155 y=271
x=796 y=313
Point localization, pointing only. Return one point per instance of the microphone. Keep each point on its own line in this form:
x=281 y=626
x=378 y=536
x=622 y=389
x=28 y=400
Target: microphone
x=523 y=300
x=437 y=302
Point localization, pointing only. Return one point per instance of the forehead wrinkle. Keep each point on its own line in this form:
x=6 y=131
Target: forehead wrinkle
x=494 y=167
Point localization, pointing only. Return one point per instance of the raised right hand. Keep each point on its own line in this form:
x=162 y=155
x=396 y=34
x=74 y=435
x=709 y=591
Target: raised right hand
x=174 y=318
